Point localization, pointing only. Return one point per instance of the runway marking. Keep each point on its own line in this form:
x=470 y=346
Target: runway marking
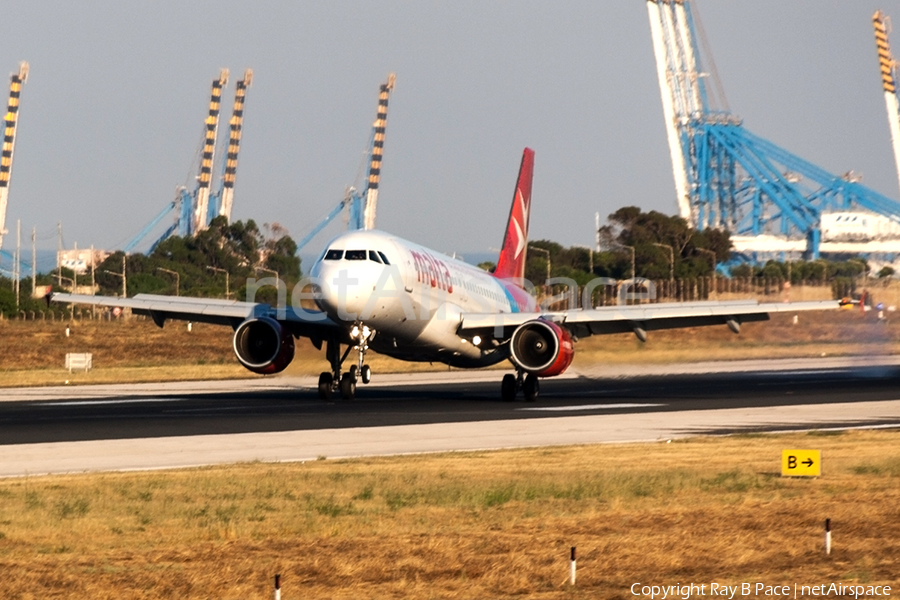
x=590 y=407
x=802 y=372
x=103 y=402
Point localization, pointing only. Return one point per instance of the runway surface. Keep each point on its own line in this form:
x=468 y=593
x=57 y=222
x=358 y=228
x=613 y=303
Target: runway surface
x=149 y=426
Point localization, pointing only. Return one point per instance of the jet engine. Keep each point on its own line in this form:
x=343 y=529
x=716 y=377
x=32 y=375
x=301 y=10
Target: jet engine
x=541 y=347
x=263 y=345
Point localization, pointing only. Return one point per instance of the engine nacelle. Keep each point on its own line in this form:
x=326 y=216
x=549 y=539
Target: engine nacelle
x=263 y=346
x=541 y=347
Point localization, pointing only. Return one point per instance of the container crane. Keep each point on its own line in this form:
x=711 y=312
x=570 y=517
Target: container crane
x=377 y=151
x=888 y=81
x=225 y=198
x=362 y=206
x=201 y=204
x=187 y=205
x=9 y=141
x=770 y=200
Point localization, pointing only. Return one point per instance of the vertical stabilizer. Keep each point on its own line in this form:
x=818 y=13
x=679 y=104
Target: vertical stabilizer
x=511 y=264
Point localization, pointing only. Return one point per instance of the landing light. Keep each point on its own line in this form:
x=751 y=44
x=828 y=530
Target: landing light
x=354 y=332
x=476 y=340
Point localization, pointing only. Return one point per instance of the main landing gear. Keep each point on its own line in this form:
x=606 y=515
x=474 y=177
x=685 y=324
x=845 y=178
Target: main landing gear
x=528 y=383
x=335 y=381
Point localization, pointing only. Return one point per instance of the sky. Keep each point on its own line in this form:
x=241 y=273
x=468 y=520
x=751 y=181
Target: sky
x=111 y=117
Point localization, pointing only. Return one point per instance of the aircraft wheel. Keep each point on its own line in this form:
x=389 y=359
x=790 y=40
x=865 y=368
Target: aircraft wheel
x=325 y=383
x=508 y=388
x=366 y=374
x=348 y=387
x=354 y=375
x=532 y=387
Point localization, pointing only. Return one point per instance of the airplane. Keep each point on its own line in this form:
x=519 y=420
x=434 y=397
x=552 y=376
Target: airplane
x=376 y=291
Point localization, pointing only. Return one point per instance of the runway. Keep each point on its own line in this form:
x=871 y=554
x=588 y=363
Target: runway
x=153 y=426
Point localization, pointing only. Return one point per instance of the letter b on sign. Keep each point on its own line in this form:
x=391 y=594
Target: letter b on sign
x=801 y=463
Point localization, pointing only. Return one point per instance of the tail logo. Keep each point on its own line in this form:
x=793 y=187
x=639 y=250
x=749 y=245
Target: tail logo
x=523 y=215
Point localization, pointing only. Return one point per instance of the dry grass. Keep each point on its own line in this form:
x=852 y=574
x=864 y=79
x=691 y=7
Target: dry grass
x=34 y=351
x=468 y=525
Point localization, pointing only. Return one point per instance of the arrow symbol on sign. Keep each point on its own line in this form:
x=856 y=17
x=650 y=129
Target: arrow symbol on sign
x=808 y=462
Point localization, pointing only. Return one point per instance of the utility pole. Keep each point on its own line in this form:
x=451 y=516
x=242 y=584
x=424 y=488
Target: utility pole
x=75 y=270
x=547 y=252
x=590 y=256
x=177 y=279
x=18 y=266
x=632 y=256
x=227 y=292
x=33 y=261
x=714 y=264
x=671 y=260
x=93 y=281
x=59 y=249
x=597 y=229
x=123 y=276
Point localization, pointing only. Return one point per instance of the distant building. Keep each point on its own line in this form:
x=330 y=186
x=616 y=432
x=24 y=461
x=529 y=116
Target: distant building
x=80 y=260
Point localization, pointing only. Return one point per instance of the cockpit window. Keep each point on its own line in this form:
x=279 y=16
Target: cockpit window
x=334 y=254
x=374 y=256
x=383 y=257
x=355 y=255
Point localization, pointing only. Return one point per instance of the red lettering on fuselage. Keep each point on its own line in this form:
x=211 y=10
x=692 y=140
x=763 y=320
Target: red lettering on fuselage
x=432 y=271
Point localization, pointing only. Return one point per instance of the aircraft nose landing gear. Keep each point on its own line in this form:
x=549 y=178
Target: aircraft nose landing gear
x=345 y=383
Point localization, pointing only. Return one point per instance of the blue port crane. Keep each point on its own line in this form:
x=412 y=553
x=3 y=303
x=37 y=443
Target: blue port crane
x=771 y=200
x=362 y=206
x=195 y=209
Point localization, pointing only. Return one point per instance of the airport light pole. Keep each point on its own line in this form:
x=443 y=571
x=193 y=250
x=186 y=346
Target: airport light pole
x=218 y=270
x=177 y=279
x=273 y=271
x=590 y=256
x=714 y=264
x=123 y=276
x=547 y=252
x=671 y=263
x=632 y=257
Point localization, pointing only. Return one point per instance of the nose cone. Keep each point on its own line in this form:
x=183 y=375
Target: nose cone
x=344 y=287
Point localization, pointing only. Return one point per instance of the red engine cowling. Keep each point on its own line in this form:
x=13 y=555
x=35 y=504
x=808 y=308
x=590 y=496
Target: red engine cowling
x=263 y=346
x=542 y=347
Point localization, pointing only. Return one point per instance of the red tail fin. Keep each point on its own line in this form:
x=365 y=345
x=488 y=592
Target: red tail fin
x=511 y=264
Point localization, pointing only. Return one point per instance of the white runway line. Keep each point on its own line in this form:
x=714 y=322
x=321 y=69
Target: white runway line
x=590 y=407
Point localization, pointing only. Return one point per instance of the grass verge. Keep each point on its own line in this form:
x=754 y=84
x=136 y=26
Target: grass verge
x=467 y=525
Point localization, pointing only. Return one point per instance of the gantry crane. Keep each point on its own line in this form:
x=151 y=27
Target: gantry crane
x=888 y=81
x=9 y=141
x=362 y=206
x=195 y=209
x=224 y=199
x=770 y=200
x=201 y=198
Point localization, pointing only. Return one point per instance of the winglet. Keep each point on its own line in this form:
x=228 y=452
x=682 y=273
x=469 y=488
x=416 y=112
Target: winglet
x=511 y=264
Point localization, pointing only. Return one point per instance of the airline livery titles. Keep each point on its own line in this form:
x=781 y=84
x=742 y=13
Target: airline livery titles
x=432 y=271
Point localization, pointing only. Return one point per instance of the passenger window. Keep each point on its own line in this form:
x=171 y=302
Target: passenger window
x=383 y=257
x=374 y=256
x=355 y=255
x=334 y=255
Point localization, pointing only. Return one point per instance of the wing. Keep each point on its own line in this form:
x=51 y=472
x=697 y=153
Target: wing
x=639 y=318
x=307 y=323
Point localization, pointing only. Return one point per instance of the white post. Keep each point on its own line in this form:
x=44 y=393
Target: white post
x=827 y=537
x=277 y=587
x=572 y=566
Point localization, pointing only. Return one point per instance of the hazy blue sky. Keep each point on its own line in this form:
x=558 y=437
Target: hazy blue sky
x=112 y=114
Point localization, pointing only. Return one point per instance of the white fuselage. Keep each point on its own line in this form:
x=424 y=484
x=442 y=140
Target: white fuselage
x=410 y=296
